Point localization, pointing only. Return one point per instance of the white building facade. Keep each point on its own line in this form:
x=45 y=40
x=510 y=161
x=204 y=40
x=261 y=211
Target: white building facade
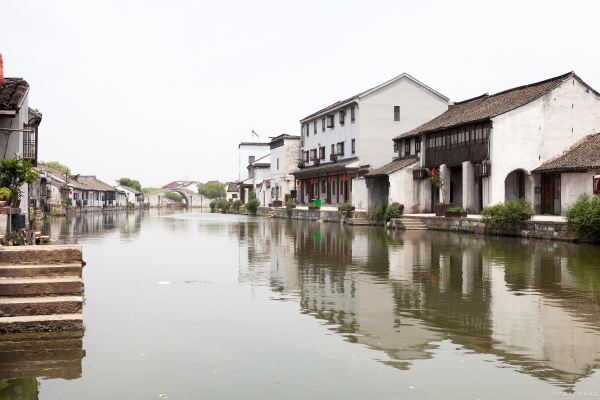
x=487 y=147
x=284 y=160
x=248 y=153
x=340 y=143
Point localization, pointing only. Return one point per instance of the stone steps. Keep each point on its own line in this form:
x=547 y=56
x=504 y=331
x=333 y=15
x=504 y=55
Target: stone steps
x=66 y=254
x=41 y=289
x=41 y=323
x=412 y=224
x=33 y=270
x=21 y=306
x=41 y=286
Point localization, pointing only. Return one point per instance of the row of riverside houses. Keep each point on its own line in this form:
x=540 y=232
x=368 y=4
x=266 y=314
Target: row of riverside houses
x=539 y=141
x=57 y=193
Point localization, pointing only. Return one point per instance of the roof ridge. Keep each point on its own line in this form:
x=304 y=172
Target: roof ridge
x=560 y=78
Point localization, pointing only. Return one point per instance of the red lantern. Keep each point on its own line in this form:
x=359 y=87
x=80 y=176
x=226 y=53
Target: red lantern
x=297 y=183
x=1 y=71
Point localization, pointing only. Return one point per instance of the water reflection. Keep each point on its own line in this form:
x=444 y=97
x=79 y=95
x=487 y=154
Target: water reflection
x=533 y=304
x=25 y=358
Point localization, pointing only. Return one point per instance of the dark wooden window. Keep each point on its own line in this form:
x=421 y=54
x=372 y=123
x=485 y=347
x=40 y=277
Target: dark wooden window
x=396 y=113
x=322 y=153
x=333 y=149
x=29 y=144
x=456 y=145
x=330 y=121
x=417 y=145
x=353 y=146
x=352 y=116
x=597 y=184
x=306 y=156
x=307 y=129
x=340 y=149
x=342 y=116
x=315 y=126
x=323 y=124
x=313 y=154
x=323 y=187
x=407 y=147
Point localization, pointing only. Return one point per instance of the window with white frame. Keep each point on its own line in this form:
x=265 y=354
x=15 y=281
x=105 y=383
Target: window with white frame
x=331 y=121
x=340 y=149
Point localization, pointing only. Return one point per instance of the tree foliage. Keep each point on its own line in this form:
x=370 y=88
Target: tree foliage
x=174 y=196
x=213 y=190
x=507 y=215
x=583 y=216
x=62 y=168
x=132 y=183
x=14 y=173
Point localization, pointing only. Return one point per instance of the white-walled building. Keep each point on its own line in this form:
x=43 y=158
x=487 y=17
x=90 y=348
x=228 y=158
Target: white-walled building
x=248 y=153
x=18 y=126
x=577 y=170
x=232 y=191
x=487 y=147
x=259 y=172
x=284 y=160
x=342 y=141
x=132 y=195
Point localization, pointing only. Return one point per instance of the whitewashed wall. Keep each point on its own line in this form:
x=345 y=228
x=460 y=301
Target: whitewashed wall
x=288 y=162
x=417 y=106
x=545 y=128
x=245 y=151
x=573 y=185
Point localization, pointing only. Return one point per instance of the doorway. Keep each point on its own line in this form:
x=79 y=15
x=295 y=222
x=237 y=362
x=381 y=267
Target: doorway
x=551 y=194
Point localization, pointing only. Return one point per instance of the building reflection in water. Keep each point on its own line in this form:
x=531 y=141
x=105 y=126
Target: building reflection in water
x=533 y=304
x=25 y=359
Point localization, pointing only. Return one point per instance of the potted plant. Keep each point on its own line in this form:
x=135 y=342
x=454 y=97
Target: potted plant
x=5 y=194
x=14 y=173
x=455 y=212
x=439 y=181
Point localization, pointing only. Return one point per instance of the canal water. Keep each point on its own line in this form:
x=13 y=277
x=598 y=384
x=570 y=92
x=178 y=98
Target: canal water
x=204 y=306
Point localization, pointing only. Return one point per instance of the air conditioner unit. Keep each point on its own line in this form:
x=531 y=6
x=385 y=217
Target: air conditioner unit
x=333 y=157
x=301 y=164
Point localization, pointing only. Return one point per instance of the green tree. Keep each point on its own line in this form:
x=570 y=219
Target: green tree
x=62 y=168
x=174 y=196
x=14 y=173
x=213 y=190
x=150 y=190
x=132 y=183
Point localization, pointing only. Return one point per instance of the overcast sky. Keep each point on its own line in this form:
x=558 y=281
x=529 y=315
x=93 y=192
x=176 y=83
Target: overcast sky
x=164 y=90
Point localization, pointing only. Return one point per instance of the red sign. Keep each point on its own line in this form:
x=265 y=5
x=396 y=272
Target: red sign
x=1 y=71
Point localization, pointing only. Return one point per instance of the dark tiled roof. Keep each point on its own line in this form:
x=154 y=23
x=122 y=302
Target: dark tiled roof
x=484 y=107
x=35 y=116
x=232 y=187
x=12 y=93
x=582 y=156
x=323 y=168
x=93 y=183
x=392 y=167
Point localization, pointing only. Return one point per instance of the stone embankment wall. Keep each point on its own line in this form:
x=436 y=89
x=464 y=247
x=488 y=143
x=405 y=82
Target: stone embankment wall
x=528 y=229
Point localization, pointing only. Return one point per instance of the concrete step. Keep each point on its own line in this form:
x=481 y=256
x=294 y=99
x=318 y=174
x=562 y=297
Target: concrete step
x=20 y=306
x=412 y=224
x=45 y=286
x=41 y=323
x=13 y=255
x=33 y=270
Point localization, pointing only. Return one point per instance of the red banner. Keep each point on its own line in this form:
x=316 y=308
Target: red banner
x=1 y=70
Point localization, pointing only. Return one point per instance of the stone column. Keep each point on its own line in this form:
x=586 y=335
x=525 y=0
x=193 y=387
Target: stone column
x=468 y=186
x=445 y=190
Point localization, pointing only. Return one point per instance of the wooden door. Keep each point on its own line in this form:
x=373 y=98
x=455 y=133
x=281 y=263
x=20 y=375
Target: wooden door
x=547 y=194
